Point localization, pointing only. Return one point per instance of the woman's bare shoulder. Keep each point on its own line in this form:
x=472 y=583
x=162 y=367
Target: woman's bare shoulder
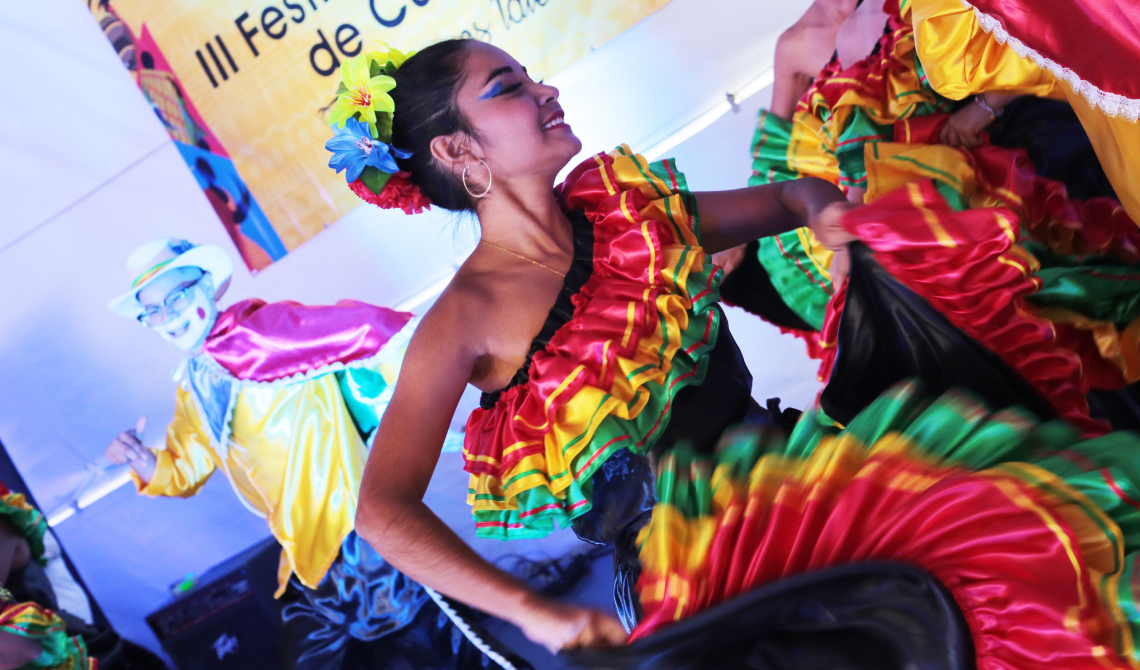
x=456 y=311
x=463 y=317
x=487 y=318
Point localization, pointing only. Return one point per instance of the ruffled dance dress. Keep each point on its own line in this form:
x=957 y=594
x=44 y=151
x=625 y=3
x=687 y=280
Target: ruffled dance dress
x=632 y=422
x=41 y=601
x=1067 y=325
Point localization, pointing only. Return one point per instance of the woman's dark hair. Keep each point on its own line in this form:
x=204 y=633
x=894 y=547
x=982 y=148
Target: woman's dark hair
x=426 y=86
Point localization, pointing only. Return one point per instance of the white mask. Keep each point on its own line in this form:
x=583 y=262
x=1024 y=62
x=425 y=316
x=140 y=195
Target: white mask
x=187 y=305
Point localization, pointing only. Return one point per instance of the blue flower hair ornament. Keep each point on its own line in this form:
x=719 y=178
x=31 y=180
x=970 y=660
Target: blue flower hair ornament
x=354 y=149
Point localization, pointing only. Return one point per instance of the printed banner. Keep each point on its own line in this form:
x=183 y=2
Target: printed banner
x=244 y=86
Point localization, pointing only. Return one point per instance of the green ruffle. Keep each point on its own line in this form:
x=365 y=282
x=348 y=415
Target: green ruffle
x=28 y=520
x=795 y=277
x=59 y=650
x=770 y=145
x=783 y=256
x=1096 y=286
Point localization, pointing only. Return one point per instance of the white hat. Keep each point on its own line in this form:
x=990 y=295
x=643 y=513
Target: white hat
x=153 y=259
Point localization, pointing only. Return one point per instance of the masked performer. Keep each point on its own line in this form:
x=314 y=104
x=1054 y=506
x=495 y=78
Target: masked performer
x=281 y=398
x=632 y=367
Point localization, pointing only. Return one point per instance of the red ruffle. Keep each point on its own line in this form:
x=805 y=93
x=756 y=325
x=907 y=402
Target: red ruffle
x=815 y=348
x=1024 y=589
x=1095 y=226
x=966 y=265
x=398 y=193
x=1098 y=226
x=870 y=76
x=642 y=327
x=829 y=333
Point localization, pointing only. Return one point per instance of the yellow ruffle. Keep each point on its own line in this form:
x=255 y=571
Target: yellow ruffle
x=807 y=155
x=903 y=92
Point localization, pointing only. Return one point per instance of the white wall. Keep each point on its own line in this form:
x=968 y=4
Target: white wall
x=87 y=174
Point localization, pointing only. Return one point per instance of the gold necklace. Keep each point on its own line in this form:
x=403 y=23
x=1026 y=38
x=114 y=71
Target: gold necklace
x=541 y=265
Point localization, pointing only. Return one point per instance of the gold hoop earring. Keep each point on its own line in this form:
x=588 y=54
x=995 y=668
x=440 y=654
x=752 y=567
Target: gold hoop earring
x=490 y=179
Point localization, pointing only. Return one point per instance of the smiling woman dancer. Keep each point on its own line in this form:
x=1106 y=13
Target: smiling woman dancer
x=620 y=239
x=587 y=315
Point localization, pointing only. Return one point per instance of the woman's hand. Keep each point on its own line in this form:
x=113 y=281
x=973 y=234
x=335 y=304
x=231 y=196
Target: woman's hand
x=828 y=225
x=128 y=448
x=560 y=627
x=729 y=258
x=17 y=651
x=964 y=127
x=840 y=267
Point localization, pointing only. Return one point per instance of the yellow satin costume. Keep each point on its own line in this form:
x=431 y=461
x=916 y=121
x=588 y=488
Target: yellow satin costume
x=285 y=441
x=294 y=453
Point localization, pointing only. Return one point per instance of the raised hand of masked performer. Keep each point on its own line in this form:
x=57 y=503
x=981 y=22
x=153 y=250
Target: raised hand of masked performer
x=828 y=225
x=128 y=449
x=560 y=627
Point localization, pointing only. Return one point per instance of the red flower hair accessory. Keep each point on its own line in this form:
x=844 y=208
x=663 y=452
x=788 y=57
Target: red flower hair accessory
x=398 y=193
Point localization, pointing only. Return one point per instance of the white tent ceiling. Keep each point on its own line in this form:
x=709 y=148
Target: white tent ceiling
x=88 y=173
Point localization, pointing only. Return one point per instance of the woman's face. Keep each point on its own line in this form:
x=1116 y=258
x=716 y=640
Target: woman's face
x=518 y=123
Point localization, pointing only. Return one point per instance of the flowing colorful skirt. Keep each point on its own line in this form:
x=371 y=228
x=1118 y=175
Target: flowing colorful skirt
x=924 y=534
x=1001 y=254
x=876 y=125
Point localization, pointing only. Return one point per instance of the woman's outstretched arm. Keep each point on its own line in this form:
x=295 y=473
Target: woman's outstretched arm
x=393 y=518
x=729 y=218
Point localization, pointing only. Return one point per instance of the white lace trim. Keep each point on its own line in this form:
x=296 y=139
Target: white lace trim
x=464 y=628
x=1110 y=104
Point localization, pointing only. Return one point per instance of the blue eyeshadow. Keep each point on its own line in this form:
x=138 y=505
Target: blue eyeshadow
x=494 y=90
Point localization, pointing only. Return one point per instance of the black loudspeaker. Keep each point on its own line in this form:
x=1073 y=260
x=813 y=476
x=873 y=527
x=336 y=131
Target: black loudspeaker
x=229 y=620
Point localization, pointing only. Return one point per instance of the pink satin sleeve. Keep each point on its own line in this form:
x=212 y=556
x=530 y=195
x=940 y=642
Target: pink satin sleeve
x=262 y=341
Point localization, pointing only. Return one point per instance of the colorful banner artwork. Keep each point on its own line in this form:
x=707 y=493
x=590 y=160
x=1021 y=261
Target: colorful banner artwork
x=244 y=86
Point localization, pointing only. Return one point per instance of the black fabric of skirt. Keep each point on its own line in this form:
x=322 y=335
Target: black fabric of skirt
x=750 y=288
x=888 y=333
x=1058 y=145
x=865 y=616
